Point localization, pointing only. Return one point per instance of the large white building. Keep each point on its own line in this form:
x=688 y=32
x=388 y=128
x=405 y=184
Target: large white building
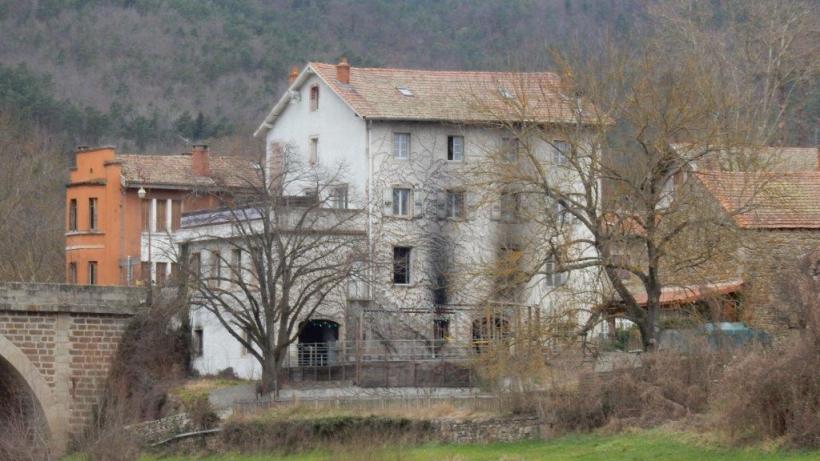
x=414 y=145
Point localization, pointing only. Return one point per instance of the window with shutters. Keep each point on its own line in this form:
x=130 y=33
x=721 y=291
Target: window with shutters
x=455 y=148
x=162 y=215
x=553 y=278
x=401 y=201
x=560 y=152
x=454 y=205
x=92 y=213
x=509 y=149
x=146 y=215
x=401 y=265
x=401 y=146
x=72 y=215
x=176 y=214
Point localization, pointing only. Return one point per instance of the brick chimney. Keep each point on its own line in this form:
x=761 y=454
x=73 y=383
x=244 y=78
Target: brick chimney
x=294 y=72
x=343 y=71
x=199 y=160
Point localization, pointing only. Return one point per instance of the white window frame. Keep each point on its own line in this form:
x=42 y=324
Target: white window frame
x=401 y=146
x=399 y=208
x=552 y=279
x=455 y=208
x=339 y=197
x=455 y=154
x=510 y=148
x=559 y=149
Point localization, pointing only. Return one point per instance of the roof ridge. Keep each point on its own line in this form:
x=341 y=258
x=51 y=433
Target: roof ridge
x=443 y=71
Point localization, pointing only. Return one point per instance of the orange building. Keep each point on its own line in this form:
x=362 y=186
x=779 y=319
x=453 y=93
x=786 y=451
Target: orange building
x=113 y=236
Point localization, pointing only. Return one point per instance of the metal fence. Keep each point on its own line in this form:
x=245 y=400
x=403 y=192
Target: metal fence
x=348 y=352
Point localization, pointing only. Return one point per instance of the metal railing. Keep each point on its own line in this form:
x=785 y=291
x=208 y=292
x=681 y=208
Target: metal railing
x=347 y=352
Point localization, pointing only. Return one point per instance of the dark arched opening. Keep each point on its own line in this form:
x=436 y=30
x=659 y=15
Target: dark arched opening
x=24 y=432
x=489 y=329
x=317 y=343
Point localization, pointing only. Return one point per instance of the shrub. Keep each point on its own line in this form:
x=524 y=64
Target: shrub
x=773 y=394
x=289 y=436
x=663 y=386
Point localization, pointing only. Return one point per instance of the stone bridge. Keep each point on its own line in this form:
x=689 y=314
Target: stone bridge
x=56 y=347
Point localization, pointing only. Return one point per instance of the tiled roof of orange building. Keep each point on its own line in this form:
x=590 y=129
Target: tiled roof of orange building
x=767 y=200
x=450 y=95
x=177 y=171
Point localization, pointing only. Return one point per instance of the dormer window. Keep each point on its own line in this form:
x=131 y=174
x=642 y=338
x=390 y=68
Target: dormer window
x=314 y=98
x=405 y=91
x=505 y=93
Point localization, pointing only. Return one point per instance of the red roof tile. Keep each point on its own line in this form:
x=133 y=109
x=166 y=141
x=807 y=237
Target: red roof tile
x=451 y=95
x=767 y=200
x=690 y=293
x=177 y=171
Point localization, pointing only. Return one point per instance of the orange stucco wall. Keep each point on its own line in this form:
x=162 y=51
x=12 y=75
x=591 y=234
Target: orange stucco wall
x=97 y=173
x=94 y=176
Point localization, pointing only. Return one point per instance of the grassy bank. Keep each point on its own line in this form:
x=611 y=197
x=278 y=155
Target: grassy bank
x=623 y=447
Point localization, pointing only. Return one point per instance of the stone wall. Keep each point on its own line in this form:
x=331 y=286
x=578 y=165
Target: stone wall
x=61 y=339
x=490 y=430
x=768 y=258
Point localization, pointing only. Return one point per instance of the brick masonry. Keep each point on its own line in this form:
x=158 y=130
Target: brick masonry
x=61 y=340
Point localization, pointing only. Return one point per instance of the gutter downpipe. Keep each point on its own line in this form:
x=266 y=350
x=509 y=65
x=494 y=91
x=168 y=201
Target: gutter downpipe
x=370 y=193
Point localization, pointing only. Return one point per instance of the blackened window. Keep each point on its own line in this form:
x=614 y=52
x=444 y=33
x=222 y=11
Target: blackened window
x=401 y=265
x=198 y=342
x=455 y=148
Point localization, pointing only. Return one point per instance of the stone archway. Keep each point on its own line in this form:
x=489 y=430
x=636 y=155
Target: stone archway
x=19 y=371
x=317 y=342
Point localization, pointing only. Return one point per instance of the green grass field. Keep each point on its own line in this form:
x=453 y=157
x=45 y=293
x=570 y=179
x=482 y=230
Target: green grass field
x=623 y=447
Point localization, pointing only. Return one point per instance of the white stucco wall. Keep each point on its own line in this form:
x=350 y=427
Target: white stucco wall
x=341 y=134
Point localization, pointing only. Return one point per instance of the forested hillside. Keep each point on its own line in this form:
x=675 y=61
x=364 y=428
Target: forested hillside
x=143 y=74
x=137 y=73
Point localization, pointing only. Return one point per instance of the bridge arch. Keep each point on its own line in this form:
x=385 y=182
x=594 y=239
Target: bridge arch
x=16 y=366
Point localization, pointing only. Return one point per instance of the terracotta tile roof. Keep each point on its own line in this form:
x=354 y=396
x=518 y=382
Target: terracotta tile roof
x=176 y=171
x=794 y=159
x=772 y=158
x=690 y=293
x=434 y=95
x=450 y=95
x=767 y=200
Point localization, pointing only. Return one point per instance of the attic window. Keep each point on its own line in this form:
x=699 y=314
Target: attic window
x=505 y=93
x=405 y=91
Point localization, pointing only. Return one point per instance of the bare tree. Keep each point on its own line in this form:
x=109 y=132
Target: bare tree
x=275 y=259
x=608 y=191
x=767 y=49
x=31 y=203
